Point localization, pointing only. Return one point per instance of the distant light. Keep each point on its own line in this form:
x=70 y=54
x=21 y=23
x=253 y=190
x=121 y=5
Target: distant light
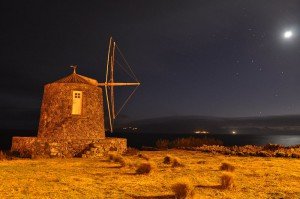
x=288 y=34
x=233 y=132
x=201 y=132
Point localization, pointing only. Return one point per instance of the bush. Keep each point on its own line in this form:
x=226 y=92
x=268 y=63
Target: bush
x=263 y=154
x=2 y=156
x=177 y=162
x=295 y=155
x=167 y=159
x=195 y=142
x=227 y=167
x=272 y=147
x=227 y=181
x=144 y=168
x=162 y=144
x=280 y=154
x=183 y=189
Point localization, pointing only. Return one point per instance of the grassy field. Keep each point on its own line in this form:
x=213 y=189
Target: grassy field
x=254 y=177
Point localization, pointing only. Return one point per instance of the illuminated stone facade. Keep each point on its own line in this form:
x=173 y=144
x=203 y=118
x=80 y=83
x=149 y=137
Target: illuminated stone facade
x=57 y=120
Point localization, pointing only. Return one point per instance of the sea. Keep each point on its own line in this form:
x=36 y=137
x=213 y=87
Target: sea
x=139 y=140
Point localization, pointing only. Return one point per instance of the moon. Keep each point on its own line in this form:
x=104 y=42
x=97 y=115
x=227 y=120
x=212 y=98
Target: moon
x=288 y=34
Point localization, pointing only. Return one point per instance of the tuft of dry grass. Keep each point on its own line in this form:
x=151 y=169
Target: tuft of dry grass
x=2 y=156
x=131 y=151
x=201 y=162
x=117 y=158
x=177 y=162
x=144 y=156
x=183 y=189
x=225 y=166
x=167 y=159
x=227 y=181
x=145 y=168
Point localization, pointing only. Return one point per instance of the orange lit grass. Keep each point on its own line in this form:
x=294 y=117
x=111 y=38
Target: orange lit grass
x=255 y=177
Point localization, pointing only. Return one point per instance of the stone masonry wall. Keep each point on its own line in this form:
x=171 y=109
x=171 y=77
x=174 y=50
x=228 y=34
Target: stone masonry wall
x=41 y=147
x=57 y=121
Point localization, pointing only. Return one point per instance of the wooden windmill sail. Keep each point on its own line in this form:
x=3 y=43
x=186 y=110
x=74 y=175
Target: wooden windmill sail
x=110 y=82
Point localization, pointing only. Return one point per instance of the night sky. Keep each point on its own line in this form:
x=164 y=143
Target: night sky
x=212 y=58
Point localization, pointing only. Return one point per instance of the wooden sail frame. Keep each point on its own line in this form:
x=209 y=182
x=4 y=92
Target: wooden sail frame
x=110 y=83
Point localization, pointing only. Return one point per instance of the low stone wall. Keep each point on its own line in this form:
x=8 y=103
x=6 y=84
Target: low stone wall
x=41 y=147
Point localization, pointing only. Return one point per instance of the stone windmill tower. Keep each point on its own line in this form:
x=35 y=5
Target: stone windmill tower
x=72 y=108
x=72 y=116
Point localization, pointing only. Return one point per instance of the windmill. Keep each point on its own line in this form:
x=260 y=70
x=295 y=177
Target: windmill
x=110 y=82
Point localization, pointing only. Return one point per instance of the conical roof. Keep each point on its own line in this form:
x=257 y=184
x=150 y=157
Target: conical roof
x=79 y=79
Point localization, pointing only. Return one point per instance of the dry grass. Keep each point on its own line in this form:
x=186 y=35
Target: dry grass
x=144 y=168
x=183 y=189
x=254 y=177
x=225 y=166
x=227 y=181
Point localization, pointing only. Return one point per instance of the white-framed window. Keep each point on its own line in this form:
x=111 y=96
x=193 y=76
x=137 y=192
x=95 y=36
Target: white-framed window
x=77 y=103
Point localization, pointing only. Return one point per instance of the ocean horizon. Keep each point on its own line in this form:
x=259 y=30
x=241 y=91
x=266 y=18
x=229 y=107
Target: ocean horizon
x=142 y=139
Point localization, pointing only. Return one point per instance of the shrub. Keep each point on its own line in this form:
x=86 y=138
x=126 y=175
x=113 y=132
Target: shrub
x=162 y=144
x=280 y=154
x=295 y=155
x=195 y=142
x=263 y=154
x=167 y=159
x=177 y=162
x=144 y=168
x=144 y=156
x=272 y=147
x=227 y=167
x=227 y=181
x=183 y=189
x=2 y=156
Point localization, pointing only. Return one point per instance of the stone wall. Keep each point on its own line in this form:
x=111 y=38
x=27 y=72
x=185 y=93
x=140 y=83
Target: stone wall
x=42 y=147
x=57 y=121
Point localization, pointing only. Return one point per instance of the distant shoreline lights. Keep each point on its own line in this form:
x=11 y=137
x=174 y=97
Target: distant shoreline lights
x=201 y=132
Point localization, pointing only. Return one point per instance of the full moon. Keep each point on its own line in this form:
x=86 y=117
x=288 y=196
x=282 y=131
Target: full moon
x=288 y=34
